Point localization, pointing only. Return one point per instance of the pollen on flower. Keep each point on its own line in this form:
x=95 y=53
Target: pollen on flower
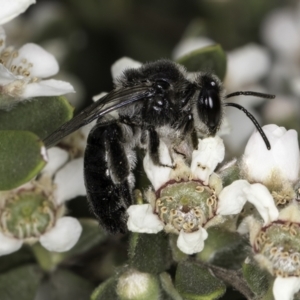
x=277 y=246
x=185 y=205
x=27 y=213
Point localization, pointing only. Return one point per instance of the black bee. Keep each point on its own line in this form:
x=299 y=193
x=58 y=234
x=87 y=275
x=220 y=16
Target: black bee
x=156 y=102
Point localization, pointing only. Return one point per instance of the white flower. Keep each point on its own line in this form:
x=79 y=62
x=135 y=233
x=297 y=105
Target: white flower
x=246 y=65
x=11 y=9
x=210 y=152
x=193 y=242
x=142 y=219
x=285 y=288
x=234 y=196
x=22 y=71
x=42 y=201
x=283 y=158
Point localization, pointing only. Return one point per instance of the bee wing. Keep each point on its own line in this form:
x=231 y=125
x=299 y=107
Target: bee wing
x=112 y=101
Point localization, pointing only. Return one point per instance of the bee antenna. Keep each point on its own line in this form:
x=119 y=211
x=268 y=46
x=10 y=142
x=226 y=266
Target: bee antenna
x=254 y=121
x=250 y=93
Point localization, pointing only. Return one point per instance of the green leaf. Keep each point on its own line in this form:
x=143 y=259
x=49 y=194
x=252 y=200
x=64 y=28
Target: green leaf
x=20 y=283
x=149 y=252
x=259 y=280
x=21 y=157
x=64 y=285
x=168 y=287
x=195 y=282
x=106 y=290
x=208 y=59
x=224 y=248
x=40 y=115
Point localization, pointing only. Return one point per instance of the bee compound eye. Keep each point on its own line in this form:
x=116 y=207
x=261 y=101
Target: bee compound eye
x=162 y=84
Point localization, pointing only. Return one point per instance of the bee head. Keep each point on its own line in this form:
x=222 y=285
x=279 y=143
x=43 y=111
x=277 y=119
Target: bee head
x=209 y=102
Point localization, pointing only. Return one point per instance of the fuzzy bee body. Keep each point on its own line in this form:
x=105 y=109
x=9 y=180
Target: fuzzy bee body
x=156 y=102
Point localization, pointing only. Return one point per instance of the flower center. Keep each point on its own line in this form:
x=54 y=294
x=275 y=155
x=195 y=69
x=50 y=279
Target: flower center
x=27 y=215
x=279 y=243
x=7 y=58
x=186 y=205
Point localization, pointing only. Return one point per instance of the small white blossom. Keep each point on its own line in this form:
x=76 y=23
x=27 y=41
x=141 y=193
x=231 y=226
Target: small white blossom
x=11 y=9
x=58 y=233
x=22 y=71
x=192 y=242
x=246 y=65
x=283 y=158
x=210 y=152
x=142 y=219
x=234 y=196
x=285 y=288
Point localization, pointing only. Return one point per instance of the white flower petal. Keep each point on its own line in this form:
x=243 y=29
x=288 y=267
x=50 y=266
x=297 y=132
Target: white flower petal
x=9 y=245
x=11 y=9
x=43 y=63
x=69 y=181
x=285 y=288
x=284 y=157
x=260 y=197
x=121 y=65
x=210 y=152
x=285 y=146
x=158 y=175
x=50 y=87
x=247 y=65
x=280 y=31
x=57 y=157
x=142 y=219
x=63 y=236
x=232 y=198
x=190 y=44
x=193 y=242
x=6 y=77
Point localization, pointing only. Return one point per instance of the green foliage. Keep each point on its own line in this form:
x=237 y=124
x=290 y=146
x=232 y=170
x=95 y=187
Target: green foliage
x=195 y=282
x=151 y=259
x=20 y=283
x=208 y=59
x=39 y=115
x=22 y=156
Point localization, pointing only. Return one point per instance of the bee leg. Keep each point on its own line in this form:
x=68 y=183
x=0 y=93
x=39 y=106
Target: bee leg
x=154 y=149
x=108 y=178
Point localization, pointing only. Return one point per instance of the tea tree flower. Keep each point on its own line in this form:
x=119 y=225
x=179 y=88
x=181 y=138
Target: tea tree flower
x=185 y=198
x=283 y=159
x=35 y=211
x=276 y=249
x=22 y=72
x=11 y=9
